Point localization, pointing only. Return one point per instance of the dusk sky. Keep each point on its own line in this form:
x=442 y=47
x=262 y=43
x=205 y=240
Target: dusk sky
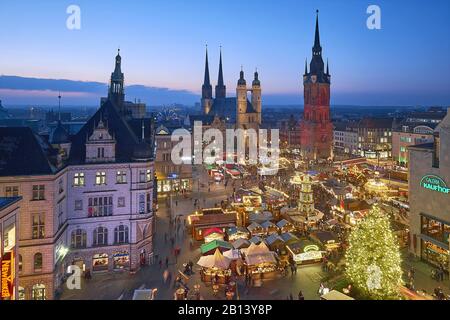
x=162 y=45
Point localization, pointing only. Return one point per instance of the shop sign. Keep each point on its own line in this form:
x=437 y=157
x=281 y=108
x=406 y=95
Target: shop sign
x=434 y=183
x=7 y=276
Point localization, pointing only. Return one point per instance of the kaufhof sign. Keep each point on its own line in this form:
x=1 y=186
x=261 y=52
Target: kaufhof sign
x=434 y=183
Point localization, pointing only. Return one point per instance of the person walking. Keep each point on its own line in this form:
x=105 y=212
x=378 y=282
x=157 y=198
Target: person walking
x=300 y=295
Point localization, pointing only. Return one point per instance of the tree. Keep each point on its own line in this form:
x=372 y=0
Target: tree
x=373 y=261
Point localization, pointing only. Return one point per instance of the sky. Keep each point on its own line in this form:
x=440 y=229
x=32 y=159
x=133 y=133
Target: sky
x=162 y=45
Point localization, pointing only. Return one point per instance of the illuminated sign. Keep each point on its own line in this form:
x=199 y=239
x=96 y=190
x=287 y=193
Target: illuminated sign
x=434 y=183
x=7 y=276
x=311 y=247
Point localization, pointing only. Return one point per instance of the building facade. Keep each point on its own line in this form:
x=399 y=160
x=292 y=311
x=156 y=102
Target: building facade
x=375 y=138
x=345 y=139
x=316 y=127
x=429 y=189
x=416 y=128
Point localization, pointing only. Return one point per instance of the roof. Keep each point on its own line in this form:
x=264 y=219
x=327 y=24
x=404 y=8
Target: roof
x=273 y=238
x=287 y=236
x=25 y=153
x=376 y=123
x=226 y=108
x=6 y=202
x=282 y=223
x=324 y=236
x=255 y=239
x=207 y=247
x=254 y=226
x=267 y=224
x=241 y=243
x=126 y=132
x=217 y=260
x=263 y=258
x=211 y=231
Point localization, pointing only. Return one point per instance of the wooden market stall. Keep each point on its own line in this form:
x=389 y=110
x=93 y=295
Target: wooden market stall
x=215 y=268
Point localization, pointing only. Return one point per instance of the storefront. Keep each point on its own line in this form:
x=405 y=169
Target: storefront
x=434 y=254
x=173 y=183
x=100 y=262
x=8 y=248
x=121 y=260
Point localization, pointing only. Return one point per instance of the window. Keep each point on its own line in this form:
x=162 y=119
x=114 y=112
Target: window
x=100 y=236
x=38 y=292
x=149 y=175
x=141 y=203
x=402 y=149
x=149 y=203
x=121 y=177
x=61 y=186
x=39 y=192
x=78 y=205
x=121 y=234
x=121 y=202
x=37 y=262
x=12 y=191
x=38 y=226
x=100 y=178
x=141 y=176
x=100 y=207
x=20 y=263
x=100 y=152
x=78 y=239
x=78 y=179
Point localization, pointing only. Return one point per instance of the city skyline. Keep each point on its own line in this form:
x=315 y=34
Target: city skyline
x=368 y=67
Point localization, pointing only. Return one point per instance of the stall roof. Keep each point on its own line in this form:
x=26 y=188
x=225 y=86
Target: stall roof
x=217 y=260
x=273 y=238
x=255 y=240
x=282 y=223
x=216 y=244
x=234 y=230
x=324 y=236
x=232 y=254
x=241 y=243
x=254 y=226
x=212 y=230
x=268 y=224
x=256 y=249
x=288 y=237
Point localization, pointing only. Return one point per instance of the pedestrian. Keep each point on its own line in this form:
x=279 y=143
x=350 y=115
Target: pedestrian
x=300 y=295
x=167 y=262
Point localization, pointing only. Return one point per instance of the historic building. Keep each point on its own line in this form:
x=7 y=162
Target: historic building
x=87 y=199
x=429 y=194
x=375 y=138
x=316 y=129
x=236 y=112
x=345 y=138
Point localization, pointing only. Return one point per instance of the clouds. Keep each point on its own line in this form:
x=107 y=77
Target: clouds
x=24 y=90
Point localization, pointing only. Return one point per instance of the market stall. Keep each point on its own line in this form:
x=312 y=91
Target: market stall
x=327 y=239
x=213 y=234
x=285 y=226
x=256 y=229
x=269 y=228
x=235 y=233
x=215 y=268
x=305 y=252
x=256 y=240
x=275 y=242
x=260 y=261
x=241 y=243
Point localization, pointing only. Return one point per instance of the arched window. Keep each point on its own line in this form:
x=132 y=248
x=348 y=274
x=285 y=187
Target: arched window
x=121 y=234
x=21 y=293
x=100 y=236
x=78 y=238
x=38 y=292
x=37 y=262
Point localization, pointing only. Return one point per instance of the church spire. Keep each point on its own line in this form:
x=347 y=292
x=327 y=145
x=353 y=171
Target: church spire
x=206 y=88
x=220 y=88
x=317 y=35
x=116 y=88
x=328 y=68
x=306 y=66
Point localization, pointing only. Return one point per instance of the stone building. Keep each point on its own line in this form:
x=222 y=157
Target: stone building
x=429 y=194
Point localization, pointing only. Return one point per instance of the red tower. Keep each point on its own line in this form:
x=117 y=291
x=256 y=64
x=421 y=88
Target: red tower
x=316 y=129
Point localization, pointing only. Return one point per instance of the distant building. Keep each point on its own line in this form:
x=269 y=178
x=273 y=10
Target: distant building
x=316 y=127
x=429 y=194
x=171 y=177
x=375 y=138
x=289 y=133
x=416 y=128
x=345 y=138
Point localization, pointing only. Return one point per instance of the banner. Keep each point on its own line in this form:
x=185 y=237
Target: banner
x=7 y=276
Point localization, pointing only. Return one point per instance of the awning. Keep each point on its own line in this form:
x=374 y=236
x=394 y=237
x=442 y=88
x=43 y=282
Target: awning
x=216 y=244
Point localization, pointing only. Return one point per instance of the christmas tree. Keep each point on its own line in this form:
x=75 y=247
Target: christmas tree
x=373 y=261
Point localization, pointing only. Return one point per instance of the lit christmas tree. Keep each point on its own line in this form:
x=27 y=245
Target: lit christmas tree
x=373 y=258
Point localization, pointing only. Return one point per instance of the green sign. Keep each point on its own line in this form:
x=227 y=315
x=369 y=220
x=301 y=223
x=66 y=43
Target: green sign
x=434 y=183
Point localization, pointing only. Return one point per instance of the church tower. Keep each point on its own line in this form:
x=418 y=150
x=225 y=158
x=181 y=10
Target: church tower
x=316 y=129
x=241 y=104
x=206 y=89
x=256 y=97
x=116 y=92
x=221 y=89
